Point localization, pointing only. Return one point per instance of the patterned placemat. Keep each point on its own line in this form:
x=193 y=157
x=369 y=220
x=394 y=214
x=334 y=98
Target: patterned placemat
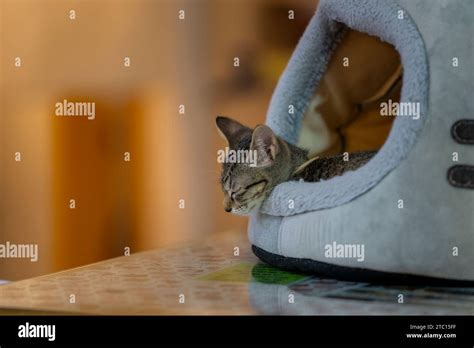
x=220 y=276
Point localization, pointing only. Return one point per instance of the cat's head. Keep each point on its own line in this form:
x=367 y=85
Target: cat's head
x=254 y=166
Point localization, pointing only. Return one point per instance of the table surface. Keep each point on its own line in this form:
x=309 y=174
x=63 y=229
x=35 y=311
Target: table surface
x=208 y=278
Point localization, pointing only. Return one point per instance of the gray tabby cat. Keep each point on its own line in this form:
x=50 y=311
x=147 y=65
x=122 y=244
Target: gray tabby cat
x=246 y=187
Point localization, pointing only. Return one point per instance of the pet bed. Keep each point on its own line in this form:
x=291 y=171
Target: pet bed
x=410 y=209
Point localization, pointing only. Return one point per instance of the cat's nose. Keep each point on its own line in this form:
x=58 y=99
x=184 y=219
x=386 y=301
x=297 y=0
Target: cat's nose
x=228 y=209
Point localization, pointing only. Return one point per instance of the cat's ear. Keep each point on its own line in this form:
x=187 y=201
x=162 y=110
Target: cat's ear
x=265 y=143
x=232 y=131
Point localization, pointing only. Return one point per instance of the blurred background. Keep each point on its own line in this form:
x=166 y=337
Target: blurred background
x=173 y=62
x=174 y=65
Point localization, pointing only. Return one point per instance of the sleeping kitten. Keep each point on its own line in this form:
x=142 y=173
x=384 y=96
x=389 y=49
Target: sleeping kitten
x=247 y=186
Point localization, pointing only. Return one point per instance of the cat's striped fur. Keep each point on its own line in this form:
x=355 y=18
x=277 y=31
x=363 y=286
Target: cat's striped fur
x=245 y=187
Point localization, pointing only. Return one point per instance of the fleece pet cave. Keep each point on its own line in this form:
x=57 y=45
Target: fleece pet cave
x=411 y=206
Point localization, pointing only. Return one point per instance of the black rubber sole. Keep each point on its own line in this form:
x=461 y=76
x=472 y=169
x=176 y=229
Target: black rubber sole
x=353 y=274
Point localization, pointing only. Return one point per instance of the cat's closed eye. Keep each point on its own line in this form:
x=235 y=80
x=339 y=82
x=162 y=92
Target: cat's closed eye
x=255 y=189
x=248 y=191
x=256 y=184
